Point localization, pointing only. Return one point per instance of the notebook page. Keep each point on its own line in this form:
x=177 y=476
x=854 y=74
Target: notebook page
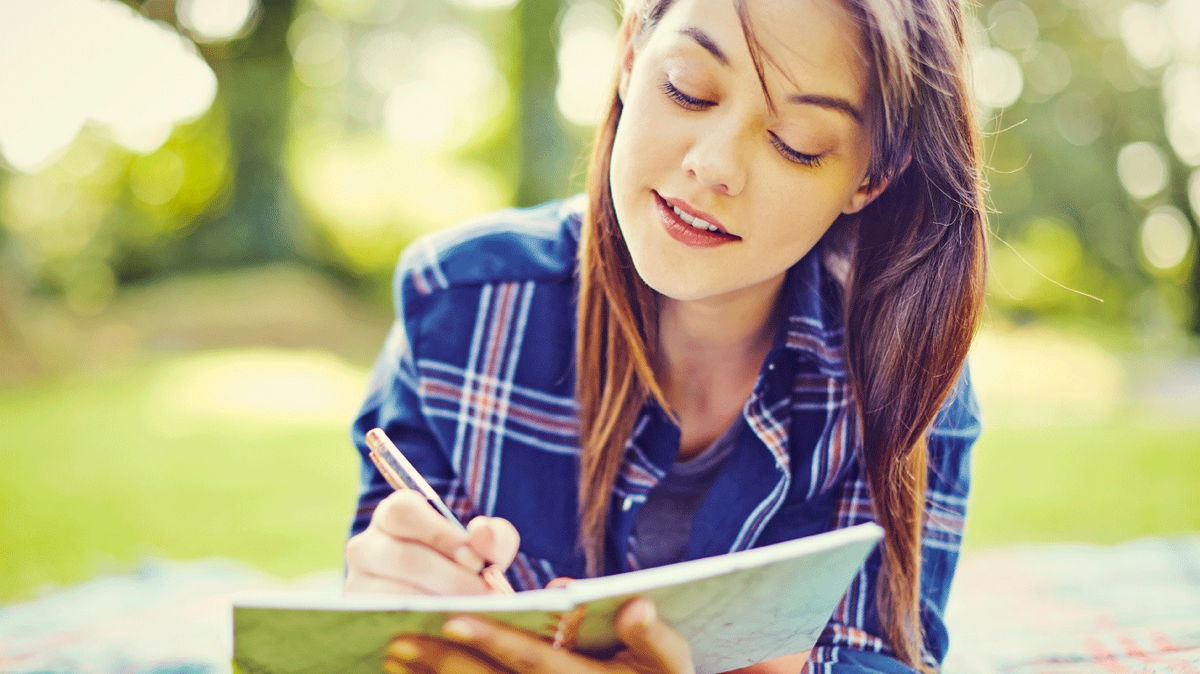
x=321 y=633
x=736 y=609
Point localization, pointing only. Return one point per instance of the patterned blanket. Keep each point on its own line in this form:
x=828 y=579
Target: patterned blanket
x=1133 y=607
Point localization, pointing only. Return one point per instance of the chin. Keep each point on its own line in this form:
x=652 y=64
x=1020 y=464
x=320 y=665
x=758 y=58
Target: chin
x=671 y=286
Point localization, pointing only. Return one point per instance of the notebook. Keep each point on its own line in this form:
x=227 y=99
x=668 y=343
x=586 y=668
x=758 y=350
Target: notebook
x=734 y=609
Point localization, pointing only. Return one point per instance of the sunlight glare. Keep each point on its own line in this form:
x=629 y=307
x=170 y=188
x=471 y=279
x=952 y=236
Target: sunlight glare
x=452 y=92
x=1166 y=237
x=1142 y=169
x=996 y=77
x=67 y=63
x=1145 y=36
x=587 y=47
x=217 y=20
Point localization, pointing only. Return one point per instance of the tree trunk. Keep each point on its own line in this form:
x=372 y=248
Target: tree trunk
x=544 y=146
x=254 y=79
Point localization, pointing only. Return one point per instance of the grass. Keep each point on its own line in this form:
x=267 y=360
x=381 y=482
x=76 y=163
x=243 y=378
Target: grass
x=244 y=454
x=93 y=481
x=1102 y=482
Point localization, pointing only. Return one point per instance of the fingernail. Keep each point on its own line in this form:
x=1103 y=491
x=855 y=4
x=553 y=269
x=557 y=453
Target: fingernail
x=393 y=667
x=648 y=614
x=460 y=629
x=404 y=650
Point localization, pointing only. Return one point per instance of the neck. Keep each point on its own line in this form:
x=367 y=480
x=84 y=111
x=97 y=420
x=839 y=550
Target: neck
x=704 y=345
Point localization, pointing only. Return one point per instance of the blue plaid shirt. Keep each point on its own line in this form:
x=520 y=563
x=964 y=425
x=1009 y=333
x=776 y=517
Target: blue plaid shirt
x=476 y=384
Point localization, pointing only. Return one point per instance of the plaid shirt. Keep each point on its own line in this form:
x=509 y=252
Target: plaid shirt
x=476 y=384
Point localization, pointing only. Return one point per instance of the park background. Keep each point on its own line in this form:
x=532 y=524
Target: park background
x=201 y=202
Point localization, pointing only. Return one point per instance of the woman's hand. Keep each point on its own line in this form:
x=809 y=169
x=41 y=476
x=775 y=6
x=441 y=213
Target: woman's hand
x=409 y=548
x=480 y=646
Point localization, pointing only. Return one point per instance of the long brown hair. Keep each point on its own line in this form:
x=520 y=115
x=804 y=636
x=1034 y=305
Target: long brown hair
x=912 y=297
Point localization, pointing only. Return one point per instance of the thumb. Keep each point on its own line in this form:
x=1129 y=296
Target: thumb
x=494 y=538
x=652 y=643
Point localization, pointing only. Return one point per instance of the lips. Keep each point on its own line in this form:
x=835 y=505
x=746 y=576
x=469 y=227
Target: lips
x=684 y=233
x=695 y=213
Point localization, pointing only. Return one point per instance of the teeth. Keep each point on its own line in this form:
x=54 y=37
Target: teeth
x=698 y=223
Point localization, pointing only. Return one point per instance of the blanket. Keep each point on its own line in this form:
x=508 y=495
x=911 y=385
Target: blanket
x=1133 y=607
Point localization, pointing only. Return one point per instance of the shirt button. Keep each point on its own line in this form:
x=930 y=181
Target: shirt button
x=771 y=366
x=627 y=503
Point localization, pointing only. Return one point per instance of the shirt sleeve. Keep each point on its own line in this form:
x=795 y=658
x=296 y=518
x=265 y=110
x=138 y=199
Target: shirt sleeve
x=852 y=642
x=394 y=403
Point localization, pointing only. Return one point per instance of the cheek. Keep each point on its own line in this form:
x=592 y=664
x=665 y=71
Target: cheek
x=641 y=150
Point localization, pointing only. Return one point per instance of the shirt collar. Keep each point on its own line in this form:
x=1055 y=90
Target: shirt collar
x=811 y=306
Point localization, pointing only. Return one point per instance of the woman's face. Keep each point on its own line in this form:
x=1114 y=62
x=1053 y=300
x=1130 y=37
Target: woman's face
x=695 y=131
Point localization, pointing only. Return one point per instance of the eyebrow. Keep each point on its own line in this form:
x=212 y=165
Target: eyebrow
x=828 y=102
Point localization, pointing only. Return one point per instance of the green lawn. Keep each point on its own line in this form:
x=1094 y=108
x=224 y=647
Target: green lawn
x=1102 y=482
x=190 y=457
x=95 y=479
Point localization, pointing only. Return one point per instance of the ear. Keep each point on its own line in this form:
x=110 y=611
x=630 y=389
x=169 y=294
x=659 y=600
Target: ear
x=866 y=193
x=626 y=67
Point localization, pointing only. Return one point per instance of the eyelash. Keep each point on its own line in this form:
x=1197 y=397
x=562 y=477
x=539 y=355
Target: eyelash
x=689 y=103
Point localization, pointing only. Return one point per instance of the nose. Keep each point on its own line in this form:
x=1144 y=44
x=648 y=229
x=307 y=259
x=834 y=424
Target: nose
x=715 y=161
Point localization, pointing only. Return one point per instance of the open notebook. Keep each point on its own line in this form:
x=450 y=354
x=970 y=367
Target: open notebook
x=734 y=609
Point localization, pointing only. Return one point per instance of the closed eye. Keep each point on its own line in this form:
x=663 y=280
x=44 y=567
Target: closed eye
x=691 y=103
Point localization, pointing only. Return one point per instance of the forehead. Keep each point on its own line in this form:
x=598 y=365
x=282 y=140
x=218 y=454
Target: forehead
x=807 y=46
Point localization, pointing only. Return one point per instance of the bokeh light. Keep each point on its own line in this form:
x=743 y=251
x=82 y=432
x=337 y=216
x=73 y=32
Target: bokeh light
x=1047 y=69
x=996 y=77
x=1032 y=268
x=1181 y=95
x=157 y=179
x=67 y=63
x=1166 y=238
x=1142 y=169
x=378 y=58
x=217 y=20
x=1145 y=35
x=320 y=55
x=452 y=90
x=586 y=53
x=1183 y=20
x=1012 y=25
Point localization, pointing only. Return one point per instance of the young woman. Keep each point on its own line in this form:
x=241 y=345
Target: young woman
x=751 y=328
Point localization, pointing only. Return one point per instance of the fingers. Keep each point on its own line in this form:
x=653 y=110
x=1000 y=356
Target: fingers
x=494 y=538
x=360 y=583
x=653 y=645
x=421 y=653
x=406 y=515
x=374 y=555
x=561 y=581
x=409 y=547
x=517 y=650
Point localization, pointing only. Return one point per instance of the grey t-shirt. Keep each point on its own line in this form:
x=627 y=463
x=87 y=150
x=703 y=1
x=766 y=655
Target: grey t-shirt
x=664 y=522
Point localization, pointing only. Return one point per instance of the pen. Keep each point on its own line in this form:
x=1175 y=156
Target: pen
x=401 y=474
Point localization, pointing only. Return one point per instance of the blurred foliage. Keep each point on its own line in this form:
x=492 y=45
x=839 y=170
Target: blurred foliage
x=187 y=435
x=138 y=261
x=1063 y=215
x=341 y=129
